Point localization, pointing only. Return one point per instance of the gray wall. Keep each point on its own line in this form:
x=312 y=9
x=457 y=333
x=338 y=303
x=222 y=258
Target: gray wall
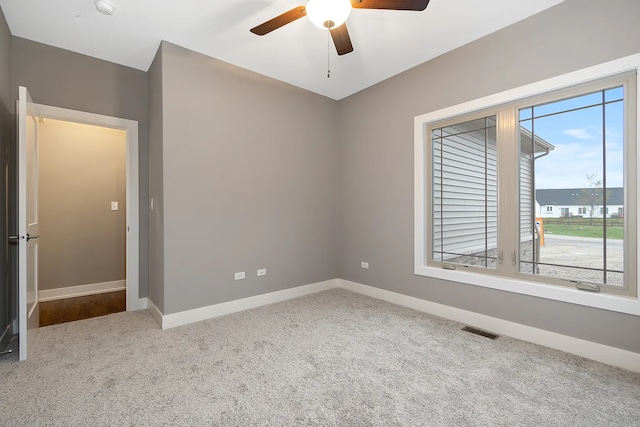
x=65 y=79
x=7 y=291
x=376 y=158
x=250 y=181
x=156 y=222
x=82 y=170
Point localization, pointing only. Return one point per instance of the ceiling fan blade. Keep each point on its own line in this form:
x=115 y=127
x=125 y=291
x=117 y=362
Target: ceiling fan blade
x=341 y=39
x=280 y=21
x=416 y=5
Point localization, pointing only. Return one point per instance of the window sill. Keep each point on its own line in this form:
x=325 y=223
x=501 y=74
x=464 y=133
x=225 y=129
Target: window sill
x=537 y=289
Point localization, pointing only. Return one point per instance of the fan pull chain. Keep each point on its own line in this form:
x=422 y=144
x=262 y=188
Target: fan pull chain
x=328 y=51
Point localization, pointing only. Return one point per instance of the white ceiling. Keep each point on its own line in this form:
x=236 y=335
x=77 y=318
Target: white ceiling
x=385 y=42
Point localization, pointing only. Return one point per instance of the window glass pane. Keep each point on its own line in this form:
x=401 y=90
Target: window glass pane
x=526 y=125
x=614 y=154
x=571 y=190
x=525 y=113
x=567 y=104
x=464 y=194
x=615 y=94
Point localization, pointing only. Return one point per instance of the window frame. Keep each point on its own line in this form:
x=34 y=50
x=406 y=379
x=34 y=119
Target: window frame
x=471 y=117
x=485 y=105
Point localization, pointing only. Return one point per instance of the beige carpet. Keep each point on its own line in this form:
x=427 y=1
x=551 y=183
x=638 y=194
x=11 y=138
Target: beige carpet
x=333 y=358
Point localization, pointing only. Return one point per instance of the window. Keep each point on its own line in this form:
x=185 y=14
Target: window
x=465 y=188
x=588 y=126
x=486 y=170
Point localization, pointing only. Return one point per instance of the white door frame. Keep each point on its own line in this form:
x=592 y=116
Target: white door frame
x=133 y=204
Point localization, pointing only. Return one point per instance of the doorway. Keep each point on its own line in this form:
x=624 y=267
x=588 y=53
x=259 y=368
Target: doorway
x=81 y=215
x=119 y=215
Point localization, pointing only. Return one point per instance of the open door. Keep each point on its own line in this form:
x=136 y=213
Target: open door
x=28 y=310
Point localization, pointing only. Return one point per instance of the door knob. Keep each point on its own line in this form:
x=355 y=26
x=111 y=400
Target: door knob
x=31 y=236
x=14 y=238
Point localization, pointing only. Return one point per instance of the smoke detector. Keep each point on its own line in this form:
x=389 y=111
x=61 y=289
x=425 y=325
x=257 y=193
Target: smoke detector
x=104 y=7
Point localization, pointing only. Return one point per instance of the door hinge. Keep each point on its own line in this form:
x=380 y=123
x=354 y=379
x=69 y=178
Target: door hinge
x=501 y=256
x=513 y=257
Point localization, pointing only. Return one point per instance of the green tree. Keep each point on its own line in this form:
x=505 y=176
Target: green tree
x=592 y=195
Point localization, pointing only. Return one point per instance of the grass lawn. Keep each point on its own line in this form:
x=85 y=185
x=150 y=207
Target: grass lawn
x=580 y=227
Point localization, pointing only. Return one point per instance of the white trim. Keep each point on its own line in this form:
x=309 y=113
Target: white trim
x=143 y=303
x=81 y=290
x=590 y=350
x=167 y=321
x=155 y=312
x=133 y=214
x=538 y=289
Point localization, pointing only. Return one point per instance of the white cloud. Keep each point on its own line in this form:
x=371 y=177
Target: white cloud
x=568 y=165
x=578 y=133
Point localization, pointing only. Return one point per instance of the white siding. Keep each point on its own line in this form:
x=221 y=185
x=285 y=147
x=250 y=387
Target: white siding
x=464 y=191
x=526 y=198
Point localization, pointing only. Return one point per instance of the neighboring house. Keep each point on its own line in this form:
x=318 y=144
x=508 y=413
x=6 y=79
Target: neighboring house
x=527 y=163
x=579 y=202
x=465 y=203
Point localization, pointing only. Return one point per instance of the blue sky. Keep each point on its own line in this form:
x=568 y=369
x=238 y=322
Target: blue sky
x=578 y=140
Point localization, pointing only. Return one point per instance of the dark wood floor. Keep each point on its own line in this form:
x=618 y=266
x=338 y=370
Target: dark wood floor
x=78 y=308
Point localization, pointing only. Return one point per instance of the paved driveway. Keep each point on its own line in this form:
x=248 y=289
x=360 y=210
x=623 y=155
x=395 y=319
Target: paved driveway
x=581 y=252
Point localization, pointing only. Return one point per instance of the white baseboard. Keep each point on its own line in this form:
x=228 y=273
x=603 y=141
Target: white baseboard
x=81 y=290
x=167 y=321
x=590 y=350
x=143 y=303
x=155 y=312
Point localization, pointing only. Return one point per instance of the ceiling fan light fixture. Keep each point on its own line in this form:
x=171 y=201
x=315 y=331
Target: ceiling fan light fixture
x=105 y=7
x=334 y=12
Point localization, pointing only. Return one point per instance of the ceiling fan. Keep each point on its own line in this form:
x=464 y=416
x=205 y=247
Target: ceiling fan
x=332 y=14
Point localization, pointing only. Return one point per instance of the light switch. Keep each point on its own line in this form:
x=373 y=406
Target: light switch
x=114 y=206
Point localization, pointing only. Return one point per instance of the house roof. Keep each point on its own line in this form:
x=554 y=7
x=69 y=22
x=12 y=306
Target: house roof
x=578 y=196
x=541 y=145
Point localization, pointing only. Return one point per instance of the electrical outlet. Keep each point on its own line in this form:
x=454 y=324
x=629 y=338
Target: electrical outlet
x=364 y=265
x=240 y=275
x=262 y=272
